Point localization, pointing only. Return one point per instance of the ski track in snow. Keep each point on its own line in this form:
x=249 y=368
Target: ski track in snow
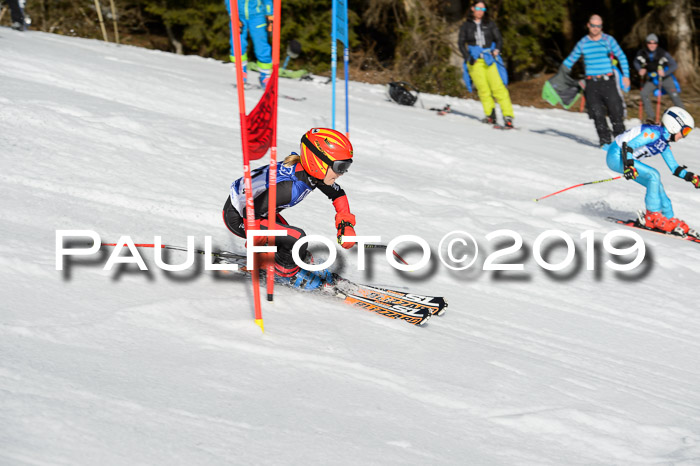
x=124 y=367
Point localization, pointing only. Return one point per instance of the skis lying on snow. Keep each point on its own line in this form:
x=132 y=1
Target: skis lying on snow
x=442 y=111
x=636 y=224
x=291 y=97
x=446 y=109
x=412 y=308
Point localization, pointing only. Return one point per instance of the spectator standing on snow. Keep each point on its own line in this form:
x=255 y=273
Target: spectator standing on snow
x=655 y=62
x=602 y=93
x=255 y=18
x=16 y=15
x=480 y=42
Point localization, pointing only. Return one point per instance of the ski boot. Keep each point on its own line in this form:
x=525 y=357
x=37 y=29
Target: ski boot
x=264 y=78
x=490 y=119
x=657 y=221
x=508 y=122
x=307 y=280
x=683 y=230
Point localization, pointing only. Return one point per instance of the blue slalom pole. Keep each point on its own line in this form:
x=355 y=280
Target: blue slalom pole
x=334 y=59
x=346 y=59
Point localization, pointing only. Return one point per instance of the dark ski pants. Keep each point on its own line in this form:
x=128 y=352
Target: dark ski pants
x=648 y=89
x=16 y=14
x=284 y=263
x=603 y=98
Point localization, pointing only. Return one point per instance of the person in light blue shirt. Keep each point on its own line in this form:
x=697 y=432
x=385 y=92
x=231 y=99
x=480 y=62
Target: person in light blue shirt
x=600 y=53
x=629 y=148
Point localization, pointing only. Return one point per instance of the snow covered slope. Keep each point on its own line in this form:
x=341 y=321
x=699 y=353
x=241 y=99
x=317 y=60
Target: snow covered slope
x=130 y=367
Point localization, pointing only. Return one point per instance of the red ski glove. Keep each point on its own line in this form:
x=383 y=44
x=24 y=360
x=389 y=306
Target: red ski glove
x=345 y=223
x=270 y=23
x=695 y=180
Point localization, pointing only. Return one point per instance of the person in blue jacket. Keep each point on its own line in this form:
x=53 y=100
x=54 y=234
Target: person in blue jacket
x=655 y=62
x=629 y=148
x=602 y=93
x=255 y=18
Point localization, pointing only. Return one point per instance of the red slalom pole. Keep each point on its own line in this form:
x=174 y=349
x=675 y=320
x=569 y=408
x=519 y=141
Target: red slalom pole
x=272 y=181
x=249 y=202
x=576 y=186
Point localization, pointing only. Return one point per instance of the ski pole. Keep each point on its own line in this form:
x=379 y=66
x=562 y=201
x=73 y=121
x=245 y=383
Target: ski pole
x=576 y=186
x=177 y=248
x=384 y=246
x=658 y=98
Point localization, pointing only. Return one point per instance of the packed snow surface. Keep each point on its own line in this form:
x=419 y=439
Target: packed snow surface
x=575 y=367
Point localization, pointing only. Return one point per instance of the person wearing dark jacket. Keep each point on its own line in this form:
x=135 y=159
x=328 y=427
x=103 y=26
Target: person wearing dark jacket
x=655 y=62
x=480 y=42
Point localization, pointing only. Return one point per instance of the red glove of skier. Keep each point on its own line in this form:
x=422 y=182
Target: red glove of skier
x=695 y=180
x=345 y=223
x=269 y=23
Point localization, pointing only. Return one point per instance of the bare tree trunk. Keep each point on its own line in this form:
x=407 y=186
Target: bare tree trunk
x=567 y=27
x=98 y=7
x=114 y=20
x=44 y=14
x=176 y=43
x=680 y=33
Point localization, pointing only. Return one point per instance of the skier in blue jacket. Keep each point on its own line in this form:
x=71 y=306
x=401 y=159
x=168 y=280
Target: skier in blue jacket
x=255 y=19
x=626 y=152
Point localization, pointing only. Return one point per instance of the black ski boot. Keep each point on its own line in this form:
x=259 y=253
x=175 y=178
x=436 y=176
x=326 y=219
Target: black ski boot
x=490 y=119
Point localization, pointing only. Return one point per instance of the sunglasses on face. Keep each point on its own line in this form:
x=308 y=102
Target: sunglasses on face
x=480 y=8
x=595 y=25
x=652 y=42
x=686 y=130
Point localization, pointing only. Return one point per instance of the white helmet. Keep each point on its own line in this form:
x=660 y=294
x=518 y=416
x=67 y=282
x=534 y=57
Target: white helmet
x=677 y=120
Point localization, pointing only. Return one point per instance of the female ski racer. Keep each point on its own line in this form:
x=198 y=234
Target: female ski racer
x=626 y=152
x=325 y=155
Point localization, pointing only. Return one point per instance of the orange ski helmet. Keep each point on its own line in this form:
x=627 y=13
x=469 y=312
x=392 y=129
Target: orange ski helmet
x=322 y=148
